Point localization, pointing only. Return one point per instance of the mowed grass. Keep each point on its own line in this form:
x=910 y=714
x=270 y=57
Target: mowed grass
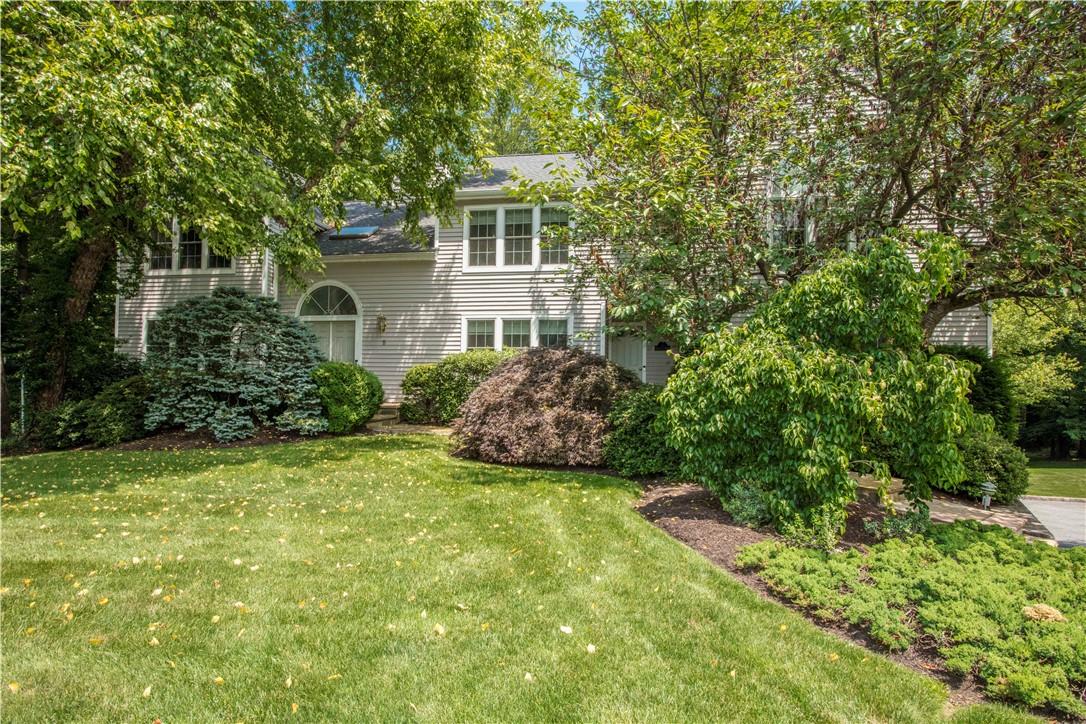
x=1061 y=478
x=376 y=578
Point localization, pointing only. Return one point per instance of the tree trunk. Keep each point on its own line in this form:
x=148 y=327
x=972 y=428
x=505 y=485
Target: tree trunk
x=940 y=307
x=82 y=283
x=5 y=406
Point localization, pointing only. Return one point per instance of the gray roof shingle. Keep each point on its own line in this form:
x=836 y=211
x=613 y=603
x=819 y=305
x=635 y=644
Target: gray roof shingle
x=389 y=237
x=532 y=166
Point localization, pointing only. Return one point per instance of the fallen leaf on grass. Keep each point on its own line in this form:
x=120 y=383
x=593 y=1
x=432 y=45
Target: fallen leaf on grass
x=14 y=687
x=147 y=693
x=566 y=630
x=219 y=681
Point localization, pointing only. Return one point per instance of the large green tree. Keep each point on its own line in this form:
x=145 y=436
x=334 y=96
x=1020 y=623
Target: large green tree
x=120 y=117
x=732 y=147
x=969 y=118
x=683 y=110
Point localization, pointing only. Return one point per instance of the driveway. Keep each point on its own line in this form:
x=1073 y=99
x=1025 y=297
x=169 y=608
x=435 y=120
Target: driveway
x=1065 y=518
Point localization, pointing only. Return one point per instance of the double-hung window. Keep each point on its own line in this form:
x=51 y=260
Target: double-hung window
x=515 y=237
x=483 y=238
x=553 y=333
x=516 y=333
x=480 y=334
x=518 y=237
x=185 y=250
x=787 y=224
x=551 y=250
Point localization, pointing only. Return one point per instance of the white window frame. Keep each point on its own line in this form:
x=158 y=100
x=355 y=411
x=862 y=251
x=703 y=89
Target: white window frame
x=175 y=262
x=775 y=194
x=356 y=318
x=145 y=328
x=499 y=327
x=499 y=223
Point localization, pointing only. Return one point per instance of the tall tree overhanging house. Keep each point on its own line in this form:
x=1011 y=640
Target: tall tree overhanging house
x=388 y=303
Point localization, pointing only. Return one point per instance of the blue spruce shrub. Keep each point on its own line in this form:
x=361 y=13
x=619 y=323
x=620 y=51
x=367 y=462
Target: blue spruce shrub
x=230 y=363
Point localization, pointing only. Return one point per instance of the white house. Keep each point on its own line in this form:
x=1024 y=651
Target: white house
x=388 y=304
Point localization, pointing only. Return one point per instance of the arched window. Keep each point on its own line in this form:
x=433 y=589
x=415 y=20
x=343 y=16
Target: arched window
x=331 y=312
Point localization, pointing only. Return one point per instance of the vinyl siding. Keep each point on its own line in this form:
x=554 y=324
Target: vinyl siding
x=425 y=300
x=158 y=291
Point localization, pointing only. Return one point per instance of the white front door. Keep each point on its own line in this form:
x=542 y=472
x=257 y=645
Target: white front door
x=629 y=352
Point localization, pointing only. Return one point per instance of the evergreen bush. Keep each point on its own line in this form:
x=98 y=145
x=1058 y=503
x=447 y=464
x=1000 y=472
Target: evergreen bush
x=349 y=394
x=636 y=445
x=989 y=457
x=231 y=362
x=544 y=406
x=991 y=392
x=433 y=393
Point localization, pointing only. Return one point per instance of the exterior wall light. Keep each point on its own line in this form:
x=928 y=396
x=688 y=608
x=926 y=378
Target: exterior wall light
x=382 y=324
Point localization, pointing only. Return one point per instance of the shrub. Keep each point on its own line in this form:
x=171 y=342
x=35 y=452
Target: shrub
x=230 y=362
x=62 y=427
x=987 y=456
x=350 y=395
x=544 y=406
x=991 y=392
x=974 y=590
x=636 y=445
x=117 y=413
x=793 y=399
x=433 y=393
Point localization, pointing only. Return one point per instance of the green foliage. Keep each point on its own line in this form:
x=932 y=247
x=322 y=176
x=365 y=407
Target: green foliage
x=991 y=392
x=789 y=402
x=1045 y=347
x=230 y=362
x=349 y=394
x=117 y=414
x=62 y=427
x=966 y=587
x=859 y=118
x=988 y=457
x=967 y=118
x=682 y=102
x=114 y=415
x=433 y=393
x=636 y=445
x=121 y=117
x=900 y=525
x=543 y=407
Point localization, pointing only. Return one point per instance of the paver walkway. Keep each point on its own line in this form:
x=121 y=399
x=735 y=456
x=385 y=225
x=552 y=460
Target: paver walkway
x=1065 y=518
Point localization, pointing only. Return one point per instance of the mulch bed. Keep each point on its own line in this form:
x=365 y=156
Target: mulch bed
x=693 y=515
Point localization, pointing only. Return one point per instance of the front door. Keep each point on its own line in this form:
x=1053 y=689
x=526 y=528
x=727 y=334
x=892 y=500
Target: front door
x=629 y=352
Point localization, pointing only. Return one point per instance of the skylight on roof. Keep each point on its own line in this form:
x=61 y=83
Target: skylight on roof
x=354 y=232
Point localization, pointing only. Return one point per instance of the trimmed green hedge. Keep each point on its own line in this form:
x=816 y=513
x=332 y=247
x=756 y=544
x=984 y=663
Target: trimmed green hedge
x=635 y=444
x=433 y=393
x=349 y=394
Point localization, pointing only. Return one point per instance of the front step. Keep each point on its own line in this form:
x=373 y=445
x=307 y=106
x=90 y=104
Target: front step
x=388 y=414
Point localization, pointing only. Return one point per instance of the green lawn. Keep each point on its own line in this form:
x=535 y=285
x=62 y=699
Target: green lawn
x=376 y=578
x=1055 y=477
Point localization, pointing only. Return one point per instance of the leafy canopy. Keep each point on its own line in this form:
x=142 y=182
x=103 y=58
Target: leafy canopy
x=826 y=373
